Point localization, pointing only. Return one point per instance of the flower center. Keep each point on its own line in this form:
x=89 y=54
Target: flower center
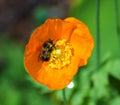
x=61 y=55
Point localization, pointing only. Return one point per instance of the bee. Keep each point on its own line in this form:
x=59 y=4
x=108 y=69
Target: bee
x=47 y=48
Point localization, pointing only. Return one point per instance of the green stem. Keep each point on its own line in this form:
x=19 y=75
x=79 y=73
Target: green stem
x=64 y=97
x=117 y=20
x=97 y=34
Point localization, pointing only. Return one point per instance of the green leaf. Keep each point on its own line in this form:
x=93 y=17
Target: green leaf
x=101 y=82
x=115 y=68
x=115 y=101
x=78 y=98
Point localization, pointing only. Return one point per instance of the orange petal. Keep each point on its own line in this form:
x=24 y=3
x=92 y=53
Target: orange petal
x=33 y=49
x=59 y=29
x=58 y=78
x=81 y=41
x=31 y=56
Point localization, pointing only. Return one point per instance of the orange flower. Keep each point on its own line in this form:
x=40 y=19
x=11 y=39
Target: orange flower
x=55 y=51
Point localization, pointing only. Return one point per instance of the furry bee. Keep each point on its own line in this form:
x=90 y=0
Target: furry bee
x=47 y=48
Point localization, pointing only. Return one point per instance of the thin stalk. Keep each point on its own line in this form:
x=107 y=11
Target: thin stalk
x=97 y=34
x=117 y=20
x=64 y=97
x=97 y=42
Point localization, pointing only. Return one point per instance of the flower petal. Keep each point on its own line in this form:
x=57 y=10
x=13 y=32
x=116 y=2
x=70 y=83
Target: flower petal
x=58 y=79
x=31 y=56
x=59 y=29
x=81 y=41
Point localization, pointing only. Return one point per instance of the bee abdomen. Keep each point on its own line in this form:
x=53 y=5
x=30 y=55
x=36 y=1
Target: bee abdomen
x=45 y=56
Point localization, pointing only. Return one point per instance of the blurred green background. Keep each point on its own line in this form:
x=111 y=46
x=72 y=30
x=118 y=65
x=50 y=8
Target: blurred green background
x=91 y=86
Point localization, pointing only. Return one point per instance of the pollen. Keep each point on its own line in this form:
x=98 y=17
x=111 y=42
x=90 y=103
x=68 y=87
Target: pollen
x=61 y=55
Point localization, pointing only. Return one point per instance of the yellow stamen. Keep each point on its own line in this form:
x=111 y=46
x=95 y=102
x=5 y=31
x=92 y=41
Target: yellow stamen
x=61 y=55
